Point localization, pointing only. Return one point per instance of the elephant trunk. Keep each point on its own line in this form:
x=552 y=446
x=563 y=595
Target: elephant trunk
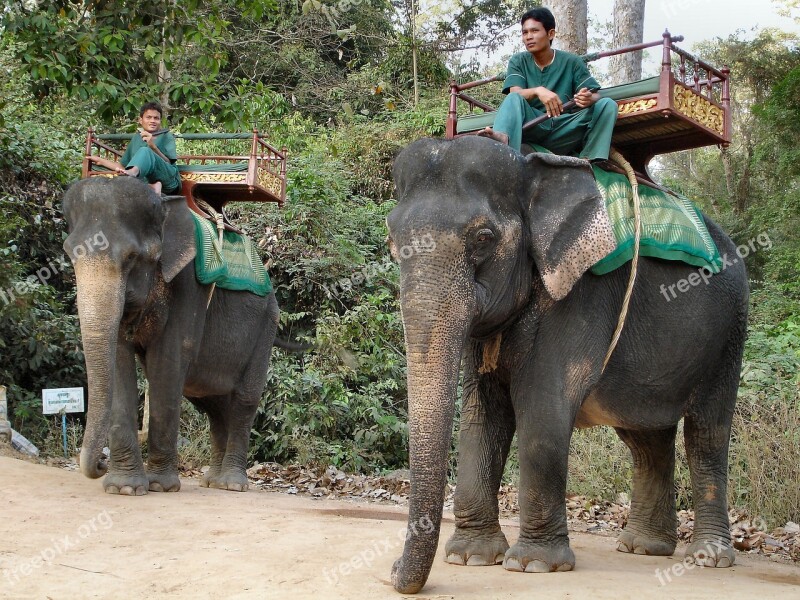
x=101 y=298
x=435 y=332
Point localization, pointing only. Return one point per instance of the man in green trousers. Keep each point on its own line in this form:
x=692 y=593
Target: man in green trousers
x=539 y=81
x=150 y=155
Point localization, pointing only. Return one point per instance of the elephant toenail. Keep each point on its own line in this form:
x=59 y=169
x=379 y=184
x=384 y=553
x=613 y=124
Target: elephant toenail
x=512 y=564
x=455 y=559
x=477 y=561
x=537 y=566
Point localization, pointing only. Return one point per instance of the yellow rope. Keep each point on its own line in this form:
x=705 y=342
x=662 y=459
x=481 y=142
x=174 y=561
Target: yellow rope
x=616 y=157
x=219 y=218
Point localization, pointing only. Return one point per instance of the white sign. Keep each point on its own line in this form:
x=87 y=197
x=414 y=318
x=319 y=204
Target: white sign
x=67 y=399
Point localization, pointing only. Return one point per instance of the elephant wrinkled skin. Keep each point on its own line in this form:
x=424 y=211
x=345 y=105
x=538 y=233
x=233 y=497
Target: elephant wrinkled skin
x=138 y=296
x=507 y=293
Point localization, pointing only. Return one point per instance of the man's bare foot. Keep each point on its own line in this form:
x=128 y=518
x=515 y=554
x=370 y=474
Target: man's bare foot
x=156 y=187
x=130 y=171
x=492 y=134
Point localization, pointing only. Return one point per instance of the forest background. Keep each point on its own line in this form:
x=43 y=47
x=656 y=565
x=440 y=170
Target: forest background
x=335 y=84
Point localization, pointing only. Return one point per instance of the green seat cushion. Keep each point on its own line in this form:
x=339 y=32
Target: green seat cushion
x=632 y=90
x=476 y=121
x=234 y=265
x=672 y=226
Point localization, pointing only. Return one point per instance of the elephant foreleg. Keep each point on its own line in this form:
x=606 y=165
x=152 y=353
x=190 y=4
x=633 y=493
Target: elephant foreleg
x=544 y=428
x=126 y=472
x=652 y=525
x=166 y=391
x=487 y=427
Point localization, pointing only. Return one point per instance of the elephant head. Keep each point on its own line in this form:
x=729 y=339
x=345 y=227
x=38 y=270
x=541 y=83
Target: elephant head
x=507 y=230
x=124 y=241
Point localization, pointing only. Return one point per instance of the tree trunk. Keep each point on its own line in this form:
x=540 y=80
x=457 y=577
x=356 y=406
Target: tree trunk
x=571 y=24
x=628 y=30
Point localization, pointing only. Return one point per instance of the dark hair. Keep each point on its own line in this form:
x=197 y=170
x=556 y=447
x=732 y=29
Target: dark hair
x=151 y=106
x=542 y=15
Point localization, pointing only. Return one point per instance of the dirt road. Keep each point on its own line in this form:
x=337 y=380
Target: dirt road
x=61 y=537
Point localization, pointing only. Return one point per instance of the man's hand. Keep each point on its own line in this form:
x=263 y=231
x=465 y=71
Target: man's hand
x=585 y=97
x=552 y=103
x=147 y=138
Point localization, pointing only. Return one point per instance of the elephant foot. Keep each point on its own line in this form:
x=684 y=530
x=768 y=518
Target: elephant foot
x=125 y=485
x=164 y=482
x=638 y=543
x=539 y=558
x=475 y=549
x=234 y=481
x=711 y=553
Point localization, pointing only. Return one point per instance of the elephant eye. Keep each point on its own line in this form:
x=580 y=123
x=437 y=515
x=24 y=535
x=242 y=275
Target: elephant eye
x=485 y=236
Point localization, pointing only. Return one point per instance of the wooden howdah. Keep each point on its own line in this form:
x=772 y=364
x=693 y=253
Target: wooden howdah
x=689 y=109
x=259 y=176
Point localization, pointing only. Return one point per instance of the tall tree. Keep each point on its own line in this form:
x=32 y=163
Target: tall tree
x=628 y=30
x=571 y=24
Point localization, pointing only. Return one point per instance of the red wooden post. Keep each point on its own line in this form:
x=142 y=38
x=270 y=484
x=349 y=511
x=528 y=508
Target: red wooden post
x=666 y=59
x=665 y=79
x=87 y=152
x=251 y=164
x=726 y=101
x=452 y=113
x=682 y=69
x=285 y=152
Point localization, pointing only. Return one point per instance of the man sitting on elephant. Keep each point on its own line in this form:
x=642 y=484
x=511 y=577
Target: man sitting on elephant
x=150 y=155
x=539 y=81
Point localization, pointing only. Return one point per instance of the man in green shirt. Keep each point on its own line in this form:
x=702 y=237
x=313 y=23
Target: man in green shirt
x=150 y=155
x=539 y=81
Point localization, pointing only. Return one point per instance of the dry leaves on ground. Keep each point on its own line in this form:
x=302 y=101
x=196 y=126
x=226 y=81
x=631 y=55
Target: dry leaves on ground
x=583 y=513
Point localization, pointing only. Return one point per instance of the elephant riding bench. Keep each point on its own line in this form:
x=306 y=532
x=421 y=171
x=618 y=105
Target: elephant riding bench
x=511 y=296
x=687 y=105
x=197 y=309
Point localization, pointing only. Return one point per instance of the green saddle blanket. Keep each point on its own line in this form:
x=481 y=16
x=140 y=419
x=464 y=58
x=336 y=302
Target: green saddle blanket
x=235 y=266
x=672 y=227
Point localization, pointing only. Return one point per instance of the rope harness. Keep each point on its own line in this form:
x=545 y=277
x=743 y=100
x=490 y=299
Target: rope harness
x=616 y=157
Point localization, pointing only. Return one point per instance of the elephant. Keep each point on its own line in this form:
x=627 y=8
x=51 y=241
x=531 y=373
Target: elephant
x=137 y=295
x=507 y=292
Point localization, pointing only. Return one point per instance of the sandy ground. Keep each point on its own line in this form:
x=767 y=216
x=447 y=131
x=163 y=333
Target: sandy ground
x=62 y=537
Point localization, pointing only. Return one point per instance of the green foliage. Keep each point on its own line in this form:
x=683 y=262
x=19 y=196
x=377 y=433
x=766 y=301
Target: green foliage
x=122 y=51
x=781 y=111
x=39 y=332
x=343 y=403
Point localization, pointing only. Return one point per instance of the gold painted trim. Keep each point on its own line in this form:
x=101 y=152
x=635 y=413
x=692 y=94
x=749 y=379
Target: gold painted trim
x=628 y=108
x=694 y=106
x=214 y=177
x=269 y=181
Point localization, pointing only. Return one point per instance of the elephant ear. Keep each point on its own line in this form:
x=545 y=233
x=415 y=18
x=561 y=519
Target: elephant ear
x=177 y=237
x=569 y=226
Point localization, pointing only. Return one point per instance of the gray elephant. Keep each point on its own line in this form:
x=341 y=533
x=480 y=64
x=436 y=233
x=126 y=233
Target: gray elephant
x=507 y=288
x=137 y=295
